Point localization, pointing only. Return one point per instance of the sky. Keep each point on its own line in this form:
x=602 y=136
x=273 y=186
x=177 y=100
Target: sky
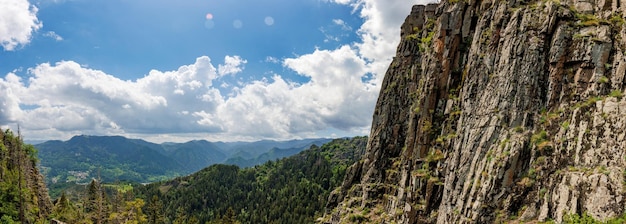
x=173 y=71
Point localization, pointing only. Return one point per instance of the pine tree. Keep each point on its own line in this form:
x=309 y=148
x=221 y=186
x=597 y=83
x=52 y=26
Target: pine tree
x=64 y=210
x=230 y=217
x=193 y=220
x=181 y=217
x=96 y=206
x=154 y=210
x=131 y=214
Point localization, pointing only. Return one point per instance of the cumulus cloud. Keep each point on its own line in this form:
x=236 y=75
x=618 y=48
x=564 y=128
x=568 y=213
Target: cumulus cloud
x=351 y=106
x=232 y=65
x=9 y=102
x=380 y=32
x=18 y=20
x=335 y=97
x=69 y=98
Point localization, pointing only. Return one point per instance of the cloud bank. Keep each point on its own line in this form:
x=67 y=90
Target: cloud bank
x=18 y=20
x=68 y=98
x=63 y=99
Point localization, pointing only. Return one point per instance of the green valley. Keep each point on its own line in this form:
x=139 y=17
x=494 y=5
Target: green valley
x=289 y=190
x=115 y=158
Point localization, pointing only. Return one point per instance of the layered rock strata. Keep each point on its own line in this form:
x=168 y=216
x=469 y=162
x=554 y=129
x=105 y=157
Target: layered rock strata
x=497 y=111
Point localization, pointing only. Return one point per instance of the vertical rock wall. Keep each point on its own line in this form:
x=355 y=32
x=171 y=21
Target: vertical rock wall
x=494 y=111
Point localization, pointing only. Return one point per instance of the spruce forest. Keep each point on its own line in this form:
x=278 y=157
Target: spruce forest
x=289 y=190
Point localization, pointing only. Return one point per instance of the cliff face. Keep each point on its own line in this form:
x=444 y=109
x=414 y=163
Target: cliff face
x=495 y=111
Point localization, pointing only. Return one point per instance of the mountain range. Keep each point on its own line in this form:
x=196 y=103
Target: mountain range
x=290 y=190
x=116 y=158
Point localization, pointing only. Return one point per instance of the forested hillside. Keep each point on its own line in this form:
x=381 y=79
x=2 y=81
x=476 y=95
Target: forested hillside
x=68 y=164
x=23 y=194
x=108 y=157
x=290 y=190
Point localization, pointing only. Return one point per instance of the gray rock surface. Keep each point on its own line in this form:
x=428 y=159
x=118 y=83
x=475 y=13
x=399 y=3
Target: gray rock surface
x=497 y=111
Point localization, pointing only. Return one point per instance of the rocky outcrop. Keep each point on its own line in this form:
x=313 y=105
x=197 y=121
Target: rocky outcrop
x=494 y=111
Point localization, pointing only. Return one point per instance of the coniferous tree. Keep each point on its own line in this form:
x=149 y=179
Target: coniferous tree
x=181 y=216
x=154 y=210
x=290 y=190
x=64 y=210
x=193 y=220
x=229 y=217
x=131 y=213
x=96 y=206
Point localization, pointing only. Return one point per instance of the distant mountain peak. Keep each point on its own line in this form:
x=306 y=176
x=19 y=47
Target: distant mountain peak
x=121 y=158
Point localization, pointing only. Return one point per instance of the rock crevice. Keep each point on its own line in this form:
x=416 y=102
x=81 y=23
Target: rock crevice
x=497 y=110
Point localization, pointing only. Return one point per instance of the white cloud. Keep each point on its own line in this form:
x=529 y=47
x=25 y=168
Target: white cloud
x=344 y=26
x=55 y=1
x=9 y=101
x=336 y=31
x=271 y=59
x=343 y=2
x=232 y=65
x=347 y=101
x=67 y=98
x=351 y=106
x=380 y=32
x=328 y=37
x=334 y=98
x=18 y=20
x=53 y=35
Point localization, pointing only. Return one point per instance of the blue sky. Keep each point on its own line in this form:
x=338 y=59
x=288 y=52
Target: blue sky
x=194 y=69
x=130 y=38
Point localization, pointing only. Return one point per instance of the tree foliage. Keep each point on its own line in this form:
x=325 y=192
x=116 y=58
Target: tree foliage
x=23 y=197
x=290 y=190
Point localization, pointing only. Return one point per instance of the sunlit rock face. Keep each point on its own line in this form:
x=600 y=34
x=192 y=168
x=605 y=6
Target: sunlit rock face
x=497 y=111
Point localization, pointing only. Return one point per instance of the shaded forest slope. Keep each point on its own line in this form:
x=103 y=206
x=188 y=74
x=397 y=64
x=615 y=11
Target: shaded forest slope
x=290 y=190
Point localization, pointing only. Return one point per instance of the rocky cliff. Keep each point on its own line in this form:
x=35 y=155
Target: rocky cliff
x=497 y=111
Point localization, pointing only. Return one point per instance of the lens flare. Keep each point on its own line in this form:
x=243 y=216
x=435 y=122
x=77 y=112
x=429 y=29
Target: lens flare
x=237 y=24
x=209 y=16
x=269 y=21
